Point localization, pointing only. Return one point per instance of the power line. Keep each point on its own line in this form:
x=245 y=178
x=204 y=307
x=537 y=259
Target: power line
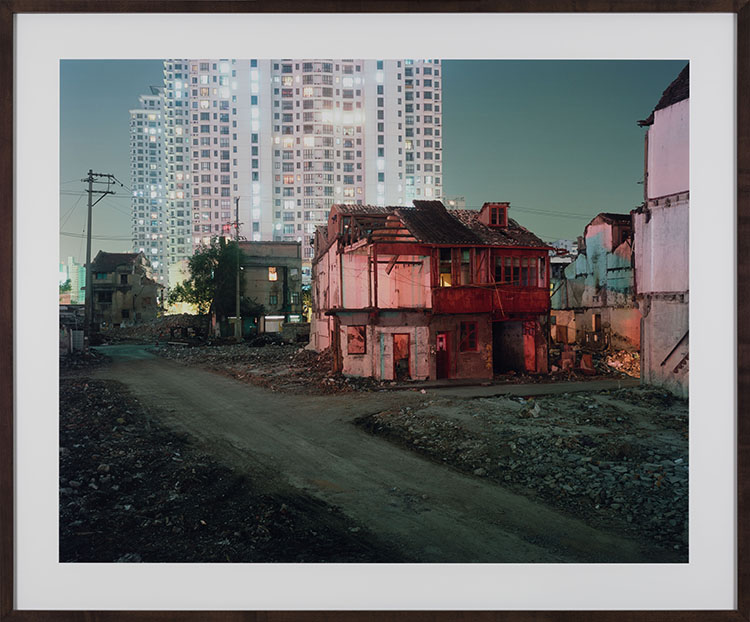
x=70 y=212
x=70 y=234
x=73 y=193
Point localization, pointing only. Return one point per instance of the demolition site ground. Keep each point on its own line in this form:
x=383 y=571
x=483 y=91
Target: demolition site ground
x=261 y=454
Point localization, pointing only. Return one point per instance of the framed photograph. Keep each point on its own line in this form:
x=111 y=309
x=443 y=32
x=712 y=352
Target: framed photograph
x=486 y=272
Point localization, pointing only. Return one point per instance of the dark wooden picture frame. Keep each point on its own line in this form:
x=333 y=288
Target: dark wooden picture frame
x=10 y=8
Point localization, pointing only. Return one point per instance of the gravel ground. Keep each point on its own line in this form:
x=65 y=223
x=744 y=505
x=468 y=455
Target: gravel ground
x=132 y=491
x=618 y=459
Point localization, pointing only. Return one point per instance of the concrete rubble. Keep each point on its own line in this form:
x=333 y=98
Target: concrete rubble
x=285 y=368
x=616 y=458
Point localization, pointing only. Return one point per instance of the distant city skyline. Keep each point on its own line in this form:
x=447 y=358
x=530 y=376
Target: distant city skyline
x=558 y=139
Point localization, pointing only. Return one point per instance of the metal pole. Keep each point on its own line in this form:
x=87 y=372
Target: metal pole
x=238 y=319
x=89 y=294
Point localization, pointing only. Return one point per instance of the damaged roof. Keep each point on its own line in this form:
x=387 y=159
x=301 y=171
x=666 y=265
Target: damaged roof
x=108 y=262
x=611 y=217
x=512 y=235
x=430 y=222
x=674 y=93
x=350 y=208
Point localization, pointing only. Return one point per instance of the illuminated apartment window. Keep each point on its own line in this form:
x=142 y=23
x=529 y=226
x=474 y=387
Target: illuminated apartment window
x=272 y=274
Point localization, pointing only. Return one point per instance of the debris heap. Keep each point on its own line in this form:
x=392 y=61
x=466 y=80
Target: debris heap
x=619 y=458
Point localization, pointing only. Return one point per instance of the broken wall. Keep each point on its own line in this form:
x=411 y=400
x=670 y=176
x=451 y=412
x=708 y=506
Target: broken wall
x=408 y=284
x=665 y=347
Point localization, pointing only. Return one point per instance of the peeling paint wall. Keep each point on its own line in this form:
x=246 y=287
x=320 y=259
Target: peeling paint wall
x=408 y=284
x=377 y=361
x=664 y=327
x=599 y=282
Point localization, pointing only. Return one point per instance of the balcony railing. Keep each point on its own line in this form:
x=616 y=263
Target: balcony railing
x=497 y=299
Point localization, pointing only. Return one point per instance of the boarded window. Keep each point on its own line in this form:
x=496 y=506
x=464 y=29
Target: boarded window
x=469 y=342
x=356 y=340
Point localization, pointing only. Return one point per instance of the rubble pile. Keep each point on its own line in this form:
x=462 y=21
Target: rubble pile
x=626 y=362
x=575 y=362
x=285 y=368
x=132 y=491
x=616 y=458
x=77 y=362
x=155 y=330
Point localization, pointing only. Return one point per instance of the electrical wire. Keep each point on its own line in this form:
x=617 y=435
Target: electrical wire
x=70 y=212
x=95 y=237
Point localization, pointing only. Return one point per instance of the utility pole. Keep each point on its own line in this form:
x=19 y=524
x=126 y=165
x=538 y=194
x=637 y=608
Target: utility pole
x=238 y=319
x=91 y=179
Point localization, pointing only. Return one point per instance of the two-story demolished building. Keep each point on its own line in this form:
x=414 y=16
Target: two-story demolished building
x=593 y=303
x=428 y=293
x=124 y=290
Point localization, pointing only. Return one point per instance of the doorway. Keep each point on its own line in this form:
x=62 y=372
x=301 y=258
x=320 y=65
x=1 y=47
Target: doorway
x=401 y=356
x=508 y=347
x=442 y=356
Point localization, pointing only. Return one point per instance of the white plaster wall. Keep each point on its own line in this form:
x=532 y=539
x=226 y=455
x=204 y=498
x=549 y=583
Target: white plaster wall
x=668 y=151
x=320 y=336
x=382 y=351
x=663 y=327
x=662 y=249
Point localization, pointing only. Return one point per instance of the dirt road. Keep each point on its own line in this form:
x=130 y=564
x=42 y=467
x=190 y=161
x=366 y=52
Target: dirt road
x=431 y=511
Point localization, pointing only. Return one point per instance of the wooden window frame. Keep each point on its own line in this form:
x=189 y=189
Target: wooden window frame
x=467 y=330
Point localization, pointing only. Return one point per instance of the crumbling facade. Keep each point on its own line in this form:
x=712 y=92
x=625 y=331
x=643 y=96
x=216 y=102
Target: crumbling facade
x=594 y=302
x=272 y=279
x=661 y=249
x=429 y=293
x=124 y=291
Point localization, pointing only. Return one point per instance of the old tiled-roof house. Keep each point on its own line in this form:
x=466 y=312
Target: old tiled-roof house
x=124 y=291
x=425 y=292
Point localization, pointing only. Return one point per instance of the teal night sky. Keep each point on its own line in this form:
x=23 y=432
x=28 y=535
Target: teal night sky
x=558 y=139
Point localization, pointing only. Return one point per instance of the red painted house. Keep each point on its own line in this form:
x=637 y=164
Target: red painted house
x=425 y=292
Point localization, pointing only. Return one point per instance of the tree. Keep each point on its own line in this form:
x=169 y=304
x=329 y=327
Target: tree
x=212 y=282
x=307 y=301
x=66 y=287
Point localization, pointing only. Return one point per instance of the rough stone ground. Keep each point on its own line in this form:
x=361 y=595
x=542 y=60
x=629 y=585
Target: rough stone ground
x=617 y=459
x=132 y=490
